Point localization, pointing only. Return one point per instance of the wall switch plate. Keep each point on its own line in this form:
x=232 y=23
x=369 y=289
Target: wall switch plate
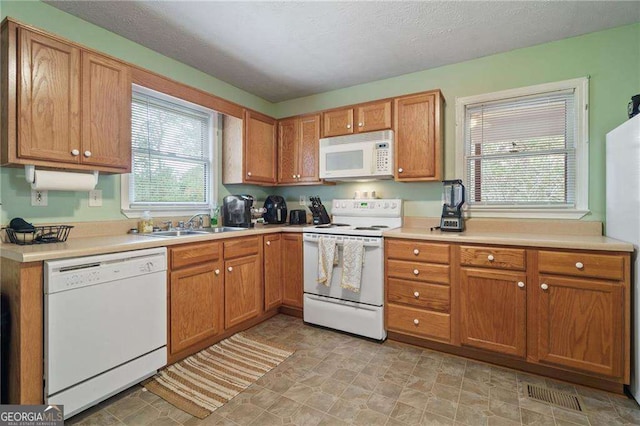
x=39 y=198
x=303 y=200
x=95 y=198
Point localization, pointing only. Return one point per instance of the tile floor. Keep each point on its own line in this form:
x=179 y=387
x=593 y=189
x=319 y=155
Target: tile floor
x=336 y=379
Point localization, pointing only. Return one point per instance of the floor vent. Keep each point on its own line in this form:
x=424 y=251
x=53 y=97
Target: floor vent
x=554 y=397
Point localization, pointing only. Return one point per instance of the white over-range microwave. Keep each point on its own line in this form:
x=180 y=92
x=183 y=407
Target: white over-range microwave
x=354 y=157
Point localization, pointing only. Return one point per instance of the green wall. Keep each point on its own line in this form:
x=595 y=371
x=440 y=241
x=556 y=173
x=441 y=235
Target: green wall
x=611 y=58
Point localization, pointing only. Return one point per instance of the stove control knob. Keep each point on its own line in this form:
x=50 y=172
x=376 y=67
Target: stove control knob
x=344 y=205
x=336 y=204
x=394 y=205
x=386 y=205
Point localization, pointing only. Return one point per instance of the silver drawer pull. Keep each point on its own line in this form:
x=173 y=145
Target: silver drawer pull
x=416 y=272
x=268 y=243
x=520 y=284
x=229 y=269
x=416 y=322
x=416 y=252
x=544 y=286
x=579 y=265
x=490 y=258
x=217 y=271
x=416 y=294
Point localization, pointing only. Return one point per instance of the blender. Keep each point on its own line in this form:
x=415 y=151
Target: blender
x=453 y=194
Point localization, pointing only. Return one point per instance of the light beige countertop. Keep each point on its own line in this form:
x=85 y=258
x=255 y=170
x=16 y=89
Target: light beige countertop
x=528 y=239
x=87 y=246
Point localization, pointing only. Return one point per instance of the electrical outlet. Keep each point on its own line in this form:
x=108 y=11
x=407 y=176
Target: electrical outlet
x=303 y=200
x=39 y=198
x=95 y=198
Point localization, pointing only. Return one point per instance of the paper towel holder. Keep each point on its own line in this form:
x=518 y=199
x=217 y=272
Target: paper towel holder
x=30 y=174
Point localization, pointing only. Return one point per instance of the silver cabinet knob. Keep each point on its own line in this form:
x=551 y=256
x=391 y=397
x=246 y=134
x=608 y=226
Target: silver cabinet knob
x=416 y=252
x=298 y=176
x=230 y=269
x=544 y=286
x=416 y=322
x=348 y=126
x=87 y=154
x=360 y=124
x=400 y=170
x=416 y=294
x=294 y=176
x=579 y=265
x=416 y=272
x=248 y=173
x=268 y=243
x=217 y=271
x=75 y=152
x=490 y=258
x=520 y=284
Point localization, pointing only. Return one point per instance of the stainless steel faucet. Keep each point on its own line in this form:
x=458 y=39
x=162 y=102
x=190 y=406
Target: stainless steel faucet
x=200 y=217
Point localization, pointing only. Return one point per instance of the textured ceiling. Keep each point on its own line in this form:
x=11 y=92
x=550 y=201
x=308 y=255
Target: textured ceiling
x=285 y=50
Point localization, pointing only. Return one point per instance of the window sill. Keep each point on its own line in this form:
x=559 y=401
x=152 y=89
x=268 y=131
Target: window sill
x=137 y=213
x=569 y=214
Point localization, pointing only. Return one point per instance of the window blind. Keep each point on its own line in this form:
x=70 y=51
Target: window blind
x=522 y=151
x=171 y=154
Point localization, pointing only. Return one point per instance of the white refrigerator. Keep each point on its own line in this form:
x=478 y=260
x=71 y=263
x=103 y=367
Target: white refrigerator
x=623 y=217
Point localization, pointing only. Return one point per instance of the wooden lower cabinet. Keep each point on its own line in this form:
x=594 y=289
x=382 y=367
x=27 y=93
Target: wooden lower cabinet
x=196 y=305
x=292 y=282
x=243 y=289
x=196 y=294
x=580 y=324
x=493 y=310
x=273 y=261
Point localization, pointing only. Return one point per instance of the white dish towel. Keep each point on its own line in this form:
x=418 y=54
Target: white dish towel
x=327 y=259
x=352 y=262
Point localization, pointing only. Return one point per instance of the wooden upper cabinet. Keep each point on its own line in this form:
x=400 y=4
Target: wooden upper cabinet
x=337 y=122
x=288 y=150
x=493 y=310
x=581 y=324
x=418 y=137
x=106 y=112
x=48 y=98
x=73 y=106
x=374 y=116
x=308 y=150
x=298 y=148
x=259 y=148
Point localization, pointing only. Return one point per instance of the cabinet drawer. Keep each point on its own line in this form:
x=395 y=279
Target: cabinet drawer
x=193 y=254
x=609 y=267
x=241 y=247
x=404 y=319
x=419 y=251
x=428 y=296
x=494 y=257
x=427 y=272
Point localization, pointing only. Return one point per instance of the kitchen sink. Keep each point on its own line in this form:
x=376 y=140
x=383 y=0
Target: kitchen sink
x=201 y=231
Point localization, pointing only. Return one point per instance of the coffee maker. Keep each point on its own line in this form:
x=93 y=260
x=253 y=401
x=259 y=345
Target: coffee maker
x=453 y=194
x=236 y=211
x=275 y=209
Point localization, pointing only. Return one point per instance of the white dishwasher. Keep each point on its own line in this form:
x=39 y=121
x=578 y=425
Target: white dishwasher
x=105 y=325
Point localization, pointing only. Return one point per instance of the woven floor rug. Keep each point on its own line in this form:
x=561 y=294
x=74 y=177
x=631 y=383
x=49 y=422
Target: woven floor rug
x=207 y=380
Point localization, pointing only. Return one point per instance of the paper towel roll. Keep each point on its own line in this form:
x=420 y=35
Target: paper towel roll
x=63 y=181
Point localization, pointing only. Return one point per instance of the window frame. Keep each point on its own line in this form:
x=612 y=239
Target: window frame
x=166 y=211
x=581 y=208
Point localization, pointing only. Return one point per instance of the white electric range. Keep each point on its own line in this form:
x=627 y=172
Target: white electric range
x=332 y=306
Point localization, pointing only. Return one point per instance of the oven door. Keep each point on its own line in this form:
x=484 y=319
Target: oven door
x=372 y=282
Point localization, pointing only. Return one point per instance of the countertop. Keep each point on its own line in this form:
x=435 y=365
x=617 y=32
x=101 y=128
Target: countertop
x=581 y=242
x=86 y=246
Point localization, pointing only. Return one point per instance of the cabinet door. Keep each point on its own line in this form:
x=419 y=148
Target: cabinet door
x=337 y=122
x=374 y=117
x=308 y=161
x=196 y=305
x=273 y=260
x=580 y=324
x=243 y=289
x=292 y=270
x=493 y=310
x=48 y=99
x=288 y=150
x=106 y=112
x=418 y=141
x=260 y=148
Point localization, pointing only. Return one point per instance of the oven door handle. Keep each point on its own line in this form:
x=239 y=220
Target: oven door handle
x=366 y=241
